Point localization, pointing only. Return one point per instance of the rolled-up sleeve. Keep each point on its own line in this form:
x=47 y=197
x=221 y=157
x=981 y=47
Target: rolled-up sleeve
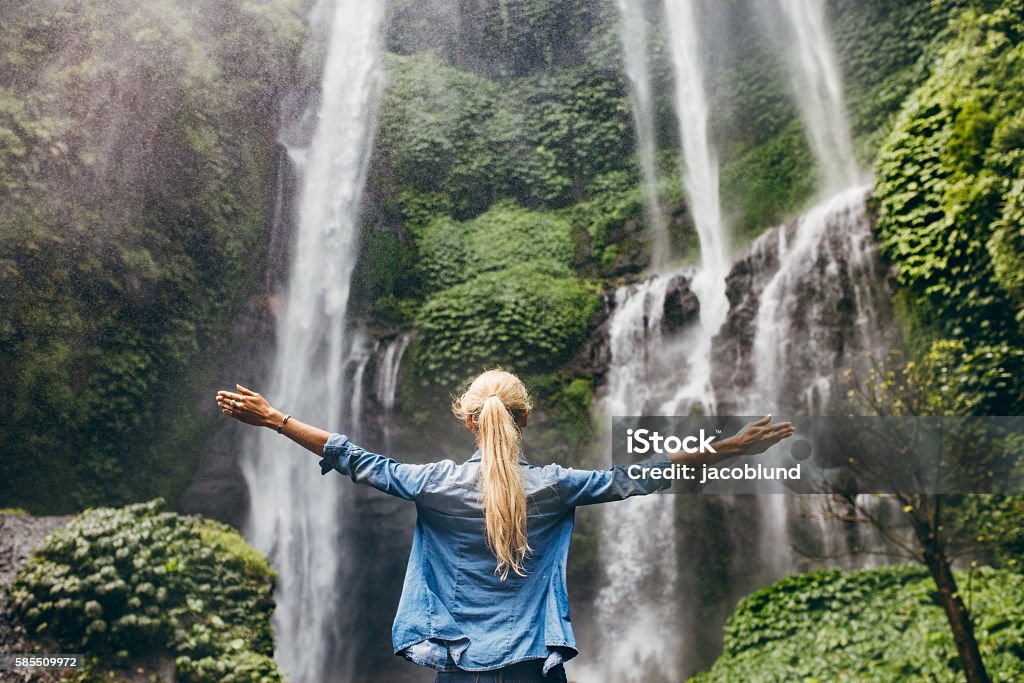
x=589 y=487
x=381 y=472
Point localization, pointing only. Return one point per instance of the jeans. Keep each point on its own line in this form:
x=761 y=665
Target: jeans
x=523 y=672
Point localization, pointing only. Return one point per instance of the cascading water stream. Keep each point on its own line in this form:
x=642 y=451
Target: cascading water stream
x=818 y=88
x=293 y=515
x=386 y=384
x=819 y=312
x=785 y=339
x=386 y=379
x=654 y=372
x=633 y=32
x=700 y=178
x=807 y=300
x=637 y=599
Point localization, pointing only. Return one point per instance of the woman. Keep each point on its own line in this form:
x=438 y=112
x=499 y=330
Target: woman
x=485 y=595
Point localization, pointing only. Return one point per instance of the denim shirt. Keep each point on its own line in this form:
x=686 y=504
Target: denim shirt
x=455 y=611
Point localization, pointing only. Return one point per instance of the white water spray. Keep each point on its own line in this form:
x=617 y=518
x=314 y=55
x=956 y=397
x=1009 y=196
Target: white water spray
x=386 y=380
x=633 y=32
x=294 y=511
x=816 y=82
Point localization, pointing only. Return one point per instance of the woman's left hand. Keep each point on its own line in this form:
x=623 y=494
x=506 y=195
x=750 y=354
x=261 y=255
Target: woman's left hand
x=247 y=406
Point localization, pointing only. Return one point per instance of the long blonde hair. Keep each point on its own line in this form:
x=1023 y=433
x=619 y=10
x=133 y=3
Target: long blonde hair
x=495 y=402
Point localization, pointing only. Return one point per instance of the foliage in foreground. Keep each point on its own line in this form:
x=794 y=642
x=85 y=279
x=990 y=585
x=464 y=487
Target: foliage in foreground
x=870 y=624
x=139 y=581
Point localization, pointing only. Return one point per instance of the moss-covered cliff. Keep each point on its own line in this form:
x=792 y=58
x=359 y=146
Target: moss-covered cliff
x=951 y=199
x=136 y=160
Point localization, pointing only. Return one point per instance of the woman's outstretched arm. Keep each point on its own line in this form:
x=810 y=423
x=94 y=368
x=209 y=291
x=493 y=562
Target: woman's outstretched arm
x=337 y=452
x=587 y=487
x=251 y=408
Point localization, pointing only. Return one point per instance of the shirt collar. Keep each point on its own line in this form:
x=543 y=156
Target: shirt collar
x=479 y=454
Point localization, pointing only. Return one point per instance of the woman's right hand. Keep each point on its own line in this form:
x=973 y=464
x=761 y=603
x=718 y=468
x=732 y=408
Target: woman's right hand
x=760 y=435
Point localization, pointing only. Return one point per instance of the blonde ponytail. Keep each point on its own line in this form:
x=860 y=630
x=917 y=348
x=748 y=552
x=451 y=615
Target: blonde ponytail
x=495 y=401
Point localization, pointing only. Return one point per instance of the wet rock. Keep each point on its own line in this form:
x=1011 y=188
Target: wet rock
x=595 y=354
x=732 y=363
x=681 y=305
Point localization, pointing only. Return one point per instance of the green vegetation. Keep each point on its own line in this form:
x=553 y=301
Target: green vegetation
x=452 y=253
x=479 y=173
x=767 y=183
x=869 y=624
x=135 y=158
x=949 y=193
x=527 y=317
x=141 y=582
x=456 y=142
x=886 y=49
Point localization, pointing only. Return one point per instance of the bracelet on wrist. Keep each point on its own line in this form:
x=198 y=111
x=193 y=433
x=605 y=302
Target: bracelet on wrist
x=280 y=427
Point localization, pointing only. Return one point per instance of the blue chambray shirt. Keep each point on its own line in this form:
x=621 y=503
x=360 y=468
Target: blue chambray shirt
x=454 y=610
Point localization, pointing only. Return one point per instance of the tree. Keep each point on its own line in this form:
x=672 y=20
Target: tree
x=899 y=453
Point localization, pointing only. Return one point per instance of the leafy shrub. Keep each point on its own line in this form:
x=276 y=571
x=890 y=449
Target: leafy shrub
x=869 y=624
x=612 y=199
x=578 y=124
x=764 y=185
x=886 y=49
x=526 y=316
x=444 y=130
x=981 y=380
x=140 y=580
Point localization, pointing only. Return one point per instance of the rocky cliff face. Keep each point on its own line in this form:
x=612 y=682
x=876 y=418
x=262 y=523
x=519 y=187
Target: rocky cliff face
x=19 y=535
x=808 y=300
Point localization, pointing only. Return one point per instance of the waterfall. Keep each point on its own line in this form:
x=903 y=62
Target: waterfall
x=660 y=338
x=796 y=352
x=386 y=380
x=795 y=362
x=359 y=358
x=786 y=319
x=633 y=32
x=807 y=300
x=636 y=602
x=815 y=80
x=823 y=307
x=293 y=512
x=700 y=177
x=386 y=383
